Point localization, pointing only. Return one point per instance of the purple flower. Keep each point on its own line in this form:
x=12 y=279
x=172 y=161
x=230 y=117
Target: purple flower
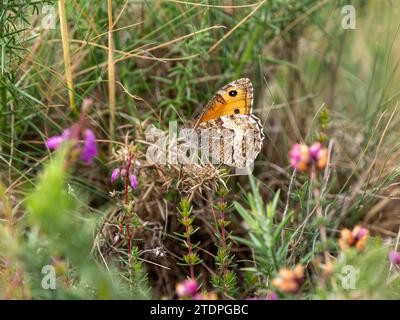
x=187 y=288
x=271 y=296
x=303 y=157
x=299 y=156
x=115 y=174
x=315 y=150
x=359 y=233
x=394 y=257
x=89 y=150
x=54 y=142
x=133 y=180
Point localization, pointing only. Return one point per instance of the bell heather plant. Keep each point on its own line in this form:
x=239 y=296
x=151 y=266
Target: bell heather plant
x=128 y=171
x=186 y=219
x=225 y=280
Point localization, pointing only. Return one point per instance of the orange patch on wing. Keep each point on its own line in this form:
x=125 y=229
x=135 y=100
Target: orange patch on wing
x=228 y=101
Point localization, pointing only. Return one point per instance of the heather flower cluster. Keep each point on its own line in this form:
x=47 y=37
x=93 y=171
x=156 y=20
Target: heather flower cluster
x=394 y=258
x=129 y=168
x=122 y=172
x=87 y=149
x=356 y=238
x=289 y=281
x=189 y=289
x=303 y=157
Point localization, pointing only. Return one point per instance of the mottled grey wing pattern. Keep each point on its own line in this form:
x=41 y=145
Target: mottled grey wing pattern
x=234 y=140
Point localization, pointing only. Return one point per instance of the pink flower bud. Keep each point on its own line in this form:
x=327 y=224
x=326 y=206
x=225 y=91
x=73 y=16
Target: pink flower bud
x=299 y=156
x=359 y=232
x=89 y=150
x=187 y=288
x=315 y=150
x=115 y=174
x=133 y=180
x=271 y=296
x=54 y=142
x=66 y=134
x=394 y=257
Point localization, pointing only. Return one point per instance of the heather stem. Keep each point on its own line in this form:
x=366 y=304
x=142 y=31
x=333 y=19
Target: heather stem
x=191 y=267
x=128 y=215
x=223 y=234
x=322 y=227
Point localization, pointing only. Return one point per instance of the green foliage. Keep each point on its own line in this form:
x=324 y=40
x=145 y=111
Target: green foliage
x=264 y=233
x=225 y=281
x=191 y=258
x=14 y=39
x=139 y=281
x=365 y=275
x=58 y=233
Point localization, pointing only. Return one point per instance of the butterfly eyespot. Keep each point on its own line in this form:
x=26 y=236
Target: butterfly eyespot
x=233 y=93
x=237 y=111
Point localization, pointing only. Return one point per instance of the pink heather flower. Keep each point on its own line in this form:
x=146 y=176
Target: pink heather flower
x=54 y=142
x=359 y=233
x=319 y=155
x=66 y=134
x=315 y=151
x=187 y=288
x=303 y=157
x=89 y=150
x=394 y=257
x=115 y=174
x=198 y=296
x=271 y=296
x=205 y=296
x=133 y=180
x=299 y=156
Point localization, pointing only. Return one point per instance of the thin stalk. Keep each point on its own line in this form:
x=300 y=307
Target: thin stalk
x=322 y=227
x=67 y=57
x=3 y=112
x=3 y=98
x=128 y=214
x=223 y=234
x=111 y=70
x=189 y=243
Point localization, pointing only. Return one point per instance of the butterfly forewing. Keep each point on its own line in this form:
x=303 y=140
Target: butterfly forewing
x=234 y=98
